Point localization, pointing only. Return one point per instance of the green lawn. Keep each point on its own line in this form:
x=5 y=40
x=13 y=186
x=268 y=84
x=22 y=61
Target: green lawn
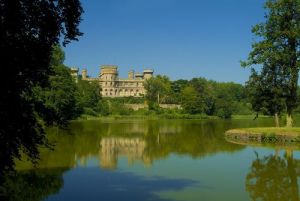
x=283 y=131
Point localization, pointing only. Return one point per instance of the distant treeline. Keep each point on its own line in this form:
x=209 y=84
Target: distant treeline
x=198 y=97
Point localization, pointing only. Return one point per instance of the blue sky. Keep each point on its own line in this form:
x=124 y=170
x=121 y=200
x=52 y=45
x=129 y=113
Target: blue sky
x=178 y=38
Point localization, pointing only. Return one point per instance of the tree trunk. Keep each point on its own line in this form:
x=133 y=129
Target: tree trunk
x=276 y=120
x=289 y=120
x=293 y=72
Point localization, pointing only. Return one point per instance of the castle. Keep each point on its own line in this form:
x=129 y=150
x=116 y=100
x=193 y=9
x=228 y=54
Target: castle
x=113 y=86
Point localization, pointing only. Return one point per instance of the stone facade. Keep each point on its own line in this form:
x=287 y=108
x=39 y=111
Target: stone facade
x=113 y=86
x=74 y=73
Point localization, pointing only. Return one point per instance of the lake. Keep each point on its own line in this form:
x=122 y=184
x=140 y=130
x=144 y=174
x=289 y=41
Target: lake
x=161 y=160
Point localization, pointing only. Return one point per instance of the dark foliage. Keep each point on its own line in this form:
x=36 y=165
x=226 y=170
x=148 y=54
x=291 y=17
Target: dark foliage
x=32 y=185
x=28 y=31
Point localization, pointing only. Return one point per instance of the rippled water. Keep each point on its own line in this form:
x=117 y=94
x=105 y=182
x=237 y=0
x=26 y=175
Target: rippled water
x=159 y=160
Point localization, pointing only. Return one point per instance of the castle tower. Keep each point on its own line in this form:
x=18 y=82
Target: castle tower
x=148 y=73
x=74 y=73
x=138 y=76
x=109 y=72
x=84 y=74
x=109 y=77
x=131 y=75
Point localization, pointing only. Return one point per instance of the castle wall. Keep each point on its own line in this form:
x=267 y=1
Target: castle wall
x=113 y=86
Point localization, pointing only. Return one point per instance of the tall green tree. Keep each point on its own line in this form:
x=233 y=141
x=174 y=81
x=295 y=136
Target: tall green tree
x=191 y=101
x=58 y=99
x=28 y=32
x=88 y=93
x=206 y=94
x=176 y=88
x=279 y=48
x=157 y=89
x=224 y=100
x=266 y=93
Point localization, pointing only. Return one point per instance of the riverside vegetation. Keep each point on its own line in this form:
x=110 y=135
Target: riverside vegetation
x=39 y=91
x=274 y=61
x=199 y=98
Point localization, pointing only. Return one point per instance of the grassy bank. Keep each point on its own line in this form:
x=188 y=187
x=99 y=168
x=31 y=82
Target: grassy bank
x=162 y=116
x=265 y=135
x=152 y=116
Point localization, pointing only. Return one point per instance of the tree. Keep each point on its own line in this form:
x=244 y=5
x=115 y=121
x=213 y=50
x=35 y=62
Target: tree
x=206 y=94
x=190 y=100
x=224 y=100
x=157 y=89
x=278 y=50
x=28 y=32
x=176 y=88
x=265 y=93
x=88 y=93
x=58 y=100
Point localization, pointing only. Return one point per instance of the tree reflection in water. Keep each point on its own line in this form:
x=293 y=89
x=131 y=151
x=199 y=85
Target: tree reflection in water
x=32 y=185
x=105 y=142
x=274 y=178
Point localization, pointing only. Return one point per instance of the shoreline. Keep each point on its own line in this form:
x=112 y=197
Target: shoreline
x=166 y=116
x=280 y=135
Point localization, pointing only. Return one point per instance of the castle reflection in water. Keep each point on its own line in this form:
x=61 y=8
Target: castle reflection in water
x=111 y=148
x=134 y=146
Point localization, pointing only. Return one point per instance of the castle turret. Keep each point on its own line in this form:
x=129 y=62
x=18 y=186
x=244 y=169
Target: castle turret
x=84 y=74
x=74 y=73
x=131 y=75
x=109 y=77
x=138 y=76
x=109 y=72
x=148 y=73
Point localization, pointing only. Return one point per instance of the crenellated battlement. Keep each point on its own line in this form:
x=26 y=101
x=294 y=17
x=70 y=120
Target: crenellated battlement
x=113 y=86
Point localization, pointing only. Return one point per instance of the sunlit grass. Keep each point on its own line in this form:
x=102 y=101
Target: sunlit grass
x=283 y=131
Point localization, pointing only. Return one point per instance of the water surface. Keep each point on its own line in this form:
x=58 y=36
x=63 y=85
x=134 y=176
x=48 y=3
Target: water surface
x=161 y=160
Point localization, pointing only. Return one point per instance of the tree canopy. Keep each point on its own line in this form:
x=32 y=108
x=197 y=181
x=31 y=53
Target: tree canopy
x=199 y=96
x=28 y=32
x=57 y=102
x=277 y=52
